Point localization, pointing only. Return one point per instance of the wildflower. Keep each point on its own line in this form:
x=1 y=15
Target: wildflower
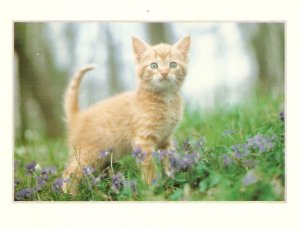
x=240 y=150
x=24 y=193
x=183 y=162
x=30 y=168
x=249 y=178
x=56 y=186
x=138 y=154
x=282 y=116
x=117 y=182
x=41 y=181
x=262 y=143
x=227 y=161
x=49 y=170
x=88 y=170
x=104 y=153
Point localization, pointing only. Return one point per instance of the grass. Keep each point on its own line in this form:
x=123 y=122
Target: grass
x=220 y=173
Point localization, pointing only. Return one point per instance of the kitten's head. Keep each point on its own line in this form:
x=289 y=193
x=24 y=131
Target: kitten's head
x=161 y=68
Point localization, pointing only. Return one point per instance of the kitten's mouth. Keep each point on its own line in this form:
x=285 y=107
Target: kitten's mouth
x=164 y=78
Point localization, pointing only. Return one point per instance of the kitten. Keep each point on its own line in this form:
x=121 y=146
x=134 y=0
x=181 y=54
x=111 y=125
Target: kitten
x=144 y=118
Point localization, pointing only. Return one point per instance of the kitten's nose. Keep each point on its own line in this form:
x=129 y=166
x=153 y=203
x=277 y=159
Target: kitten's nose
x=164 y=72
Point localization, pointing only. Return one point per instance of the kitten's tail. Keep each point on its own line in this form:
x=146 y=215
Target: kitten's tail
x=71 y=96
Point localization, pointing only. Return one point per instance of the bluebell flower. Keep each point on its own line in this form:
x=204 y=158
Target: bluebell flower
x=261 y=143
x=30 y=168
x=138 y=154
x=57 y=185
x=240 y=150
x=88 y=170
x=49 y=170
x=183 y=162
x=24 y=193
x=117 y=182
x=282 y=116
x=105 y=153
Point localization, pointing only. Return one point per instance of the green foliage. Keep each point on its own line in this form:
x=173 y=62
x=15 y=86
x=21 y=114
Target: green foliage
x=219 y=174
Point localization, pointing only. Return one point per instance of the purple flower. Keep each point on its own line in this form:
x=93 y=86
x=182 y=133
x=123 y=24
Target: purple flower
x=249 y=178
x=227 y=161
x=30 y=168
x=240 y=150
x=138 y=154
x=183 y=162
x=88 y=170
x=104 y=153
x=261 y=143
x=24 y=193
x=56 y=186
x=41 y=181
x=49 y=170
x=117 y=182
x=282 y=116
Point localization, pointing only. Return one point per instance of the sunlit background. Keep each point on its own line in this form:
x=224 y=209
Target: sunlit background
x=229 y=62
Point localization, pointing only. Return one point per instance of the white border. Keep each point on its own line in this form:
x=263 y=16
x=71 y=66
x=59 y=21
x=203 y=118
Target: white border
x=193 y=215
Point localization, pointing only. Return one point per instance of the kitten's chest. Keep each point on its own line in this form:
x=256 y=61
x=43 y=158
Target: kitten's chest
x=160 y=119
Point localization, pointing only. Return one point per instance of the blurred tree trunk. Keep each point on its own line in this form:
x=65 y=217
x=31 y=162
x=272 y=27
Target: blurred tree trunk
x=35 y=70
x=158 y=33
x=114 y=82
x=267 y=41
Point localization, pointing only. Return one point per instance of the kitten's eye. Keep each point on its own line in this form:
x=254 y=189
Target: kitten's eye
x=153 y=65
x=173 y=65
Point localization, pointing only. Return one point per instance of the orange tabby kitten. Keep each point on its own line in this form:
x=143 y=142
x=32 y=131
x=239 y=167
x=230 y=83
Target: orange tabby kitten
x=144 y=118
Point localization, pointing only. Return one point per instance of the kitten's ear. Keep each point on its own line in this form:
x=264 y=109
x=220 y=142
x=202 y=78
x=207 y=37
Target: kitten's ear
x=184 y=45
x=139 y=47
